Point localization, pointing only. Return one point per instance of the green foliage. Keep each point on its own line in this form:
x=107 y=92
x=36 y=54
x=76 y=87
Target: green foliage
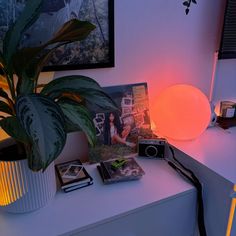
x=43 y=121
x=40 y=120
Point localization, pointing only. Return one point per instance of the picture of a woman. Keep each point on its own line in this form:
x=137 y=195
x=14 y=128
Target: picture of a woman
x=114 y=132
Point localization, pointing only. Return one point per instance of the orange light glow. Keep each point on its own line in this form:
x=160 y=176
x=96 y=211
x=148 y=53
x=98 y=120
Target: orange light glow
x=3 y=135
x=12 y=187
x=231 y=215
x=182 y=112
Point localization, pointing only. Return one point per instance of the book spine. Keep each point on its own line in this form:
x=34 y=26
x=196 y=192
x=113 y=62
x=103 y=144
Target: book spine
x=80 y=182
x=67 y=190
x=105 y=171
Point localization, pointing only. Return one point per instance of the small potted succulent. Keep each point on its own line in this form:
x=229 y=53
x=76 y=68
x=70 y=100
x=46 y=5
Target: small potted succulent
x=38 y=117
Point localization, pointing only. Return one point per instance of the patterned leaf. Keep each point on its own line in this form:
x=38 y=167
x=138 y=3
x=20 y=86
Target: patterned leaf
x=69 y=84
x=43 y=121
x=99 y=99
x=80 y=118
x=85 y=87
x=14 y=129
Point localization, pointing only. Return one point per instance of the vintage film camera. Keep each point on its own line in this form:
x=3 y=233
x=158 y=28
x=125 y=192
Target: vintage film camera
x=152 y=148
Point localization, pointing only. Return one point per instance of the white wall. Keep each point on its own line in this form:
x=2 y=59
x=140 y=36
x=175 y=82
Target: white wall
x=225 y=80
x=156 y=42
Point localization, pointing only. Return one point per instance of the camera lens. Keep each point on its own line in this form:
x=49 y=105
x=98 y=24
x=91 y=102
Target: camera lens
x=151 y=151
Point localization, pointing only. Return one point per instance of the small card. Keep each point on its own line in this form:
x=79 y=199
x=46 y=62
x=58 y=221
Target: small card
x=72 y=173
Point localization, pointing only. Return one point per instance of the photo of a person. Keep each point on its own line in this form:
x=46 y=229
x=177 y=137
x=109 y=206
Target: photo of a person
x=115 y=132
x=118 y=131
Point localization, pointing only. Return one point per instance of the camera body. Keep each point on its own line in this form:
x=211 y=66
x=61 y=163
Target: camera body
x=152 y=148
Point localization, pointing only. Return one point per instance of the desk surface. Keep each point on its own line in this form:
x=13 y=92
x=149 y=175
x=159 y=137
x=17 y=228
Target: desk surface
x=98 y=203
x=215 y=149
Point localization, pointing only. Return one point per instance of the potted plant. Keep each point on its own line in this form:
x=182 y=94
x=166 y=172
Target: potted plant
x=38 y=117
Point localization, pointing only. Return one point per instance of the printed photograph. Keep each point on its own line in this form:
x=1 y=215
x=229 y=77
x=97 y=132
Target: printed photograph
x=73 y=171
x=95 y=51
x=70 y=171
x=118 y=131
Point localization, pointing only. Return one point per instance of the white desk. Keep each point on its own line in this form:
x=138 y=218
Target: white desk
x=161 y=203
x=212 y=157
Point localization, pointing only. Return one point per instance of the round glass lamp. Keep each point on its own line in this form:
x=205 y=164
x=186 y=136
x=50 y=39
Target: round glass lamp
x=182 y=112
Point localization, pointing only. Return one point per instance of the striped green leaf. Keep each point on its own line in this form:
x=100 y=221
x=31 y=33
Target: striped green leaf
x=69 y=84
x=79 y=118
x=44 y=123
x=99 y=99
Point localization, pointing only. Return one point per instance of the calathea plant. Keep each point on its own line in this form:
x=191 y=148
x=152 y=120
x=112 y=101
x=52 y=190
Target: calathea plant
x=37 y=116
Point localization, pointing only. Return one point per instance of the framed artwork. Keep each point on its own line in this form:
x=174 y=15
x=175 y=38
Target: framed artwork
x=96 y=51
x=118 y=131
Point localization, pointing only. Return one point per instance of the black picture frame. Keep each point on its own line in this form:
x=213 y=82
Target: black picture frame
x=105 y=50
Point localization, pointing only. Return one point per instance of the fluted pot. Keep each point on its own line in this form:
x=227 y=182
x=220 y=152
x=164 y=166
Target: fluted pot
x=22 y=190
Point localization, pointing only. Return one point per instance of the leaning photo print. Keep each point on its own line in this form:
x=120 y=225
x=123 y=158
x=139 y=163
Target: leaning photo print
x=118 y=131
x=96 y=51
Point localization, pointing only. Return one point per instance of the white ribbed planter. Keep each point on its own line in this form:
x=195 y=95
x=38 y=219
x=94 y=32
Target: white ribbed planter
x=22 y=190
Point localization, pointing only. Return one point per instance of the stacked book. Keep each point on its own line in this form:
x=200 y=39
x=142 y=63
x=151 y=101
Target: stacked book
x=120 y=169
x=73 y=175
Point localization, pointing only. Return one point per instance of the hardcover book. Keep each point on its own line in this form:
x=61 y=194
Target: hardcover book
x=121 y=169
x=73 y=175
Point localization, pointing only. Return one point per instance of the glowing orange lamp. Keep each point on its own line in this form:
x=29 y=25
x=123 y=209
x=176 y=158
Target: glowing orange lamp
x=182 y=112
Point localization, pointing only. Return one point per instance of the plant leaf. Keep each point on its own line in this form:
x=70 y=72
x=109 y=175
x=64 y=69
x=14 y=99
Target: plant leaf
x=4 y=107
x=24 y=21
x=14 y=129
x=85 y=87
x=69 y=84
x=28 y=77
x=7 y=75
x=28 y=62
x=80 y=118
x=72 y=30
x=194 y=1
x=21 y=59
x=44 y=123
x=2 y=61
x=99 y=99
x=3 y=94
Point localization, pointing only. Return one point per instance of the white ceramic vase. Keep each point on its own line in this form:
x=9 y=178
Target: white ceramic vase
x=22 y=190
